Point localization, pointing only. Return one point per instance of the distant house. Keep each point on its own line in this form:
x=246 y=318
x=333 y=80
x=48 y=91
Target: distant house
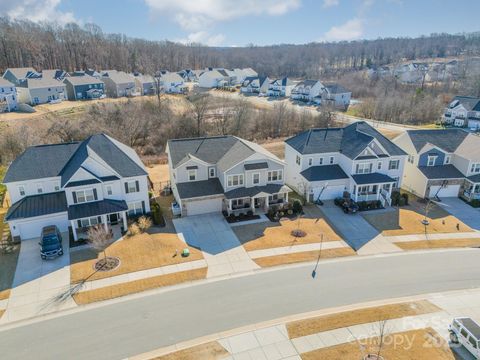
x=84 y=87
x=248 y=72
x=145 y=84
x=54 y=74
x=93 y=73
x=172 y=83
x=280 y=87
x=255 y=85
x=118 y=83
x=463 y=111
x=378 y=72
x=188 y=75
x=18 y=76
x=8 y=96
x=334 y=95
x=213 y=79
x=411 y=73
x=41 y=91
x=307 y=90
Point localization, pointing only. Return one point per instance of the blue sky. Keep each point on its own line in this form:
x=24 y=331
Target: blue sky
x=261 y=22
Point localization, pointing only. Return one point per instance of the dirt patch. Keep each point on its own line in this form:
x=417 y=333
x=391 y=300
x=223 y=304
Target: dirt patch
x=144 y=251
x=131 y=287
x=8 y=260
x=276 y=147
x=438 y=244
x=390 y=134
x=209 y=351
x=422 y=344
x=304 y=256
x=361 y=316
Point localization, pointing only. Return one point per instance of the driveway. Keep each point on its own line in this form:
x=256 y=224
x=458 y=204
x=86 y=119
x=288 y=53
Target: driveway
x=464 y=212
x=39 y=285
x=221 y=248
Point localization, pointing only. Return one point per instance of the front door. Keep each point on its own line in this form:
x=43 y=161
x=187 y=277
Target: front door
x=113 y=218
x=259 y=202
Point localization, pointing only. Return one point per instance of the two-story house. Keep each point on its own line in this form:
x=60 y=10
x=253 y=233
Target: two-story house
x=224 y=173
x=463 y=111
x=307 y=90
x=255 y=85
x=75 y=185
x=119 y=83
x=441 y=163
x=145 y=84
x=37 y=91
x=322 y=164
x=8 y=96
x=172 y=83
x=280 y=87
x=335 y=96
x=17 y=76
x=84 y=87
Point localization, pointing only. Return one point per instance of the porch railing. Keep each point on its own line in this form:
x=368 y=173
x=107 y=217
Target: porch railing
x=471 y=195
x=367 y=197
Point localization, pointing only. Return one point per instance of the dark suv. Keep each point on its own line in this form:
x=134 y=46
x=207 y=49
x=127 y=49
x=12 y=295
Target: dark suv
x=50 y=242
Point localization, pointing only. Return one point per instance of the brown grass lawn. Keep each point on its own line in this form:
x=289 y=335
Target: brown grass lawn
x=408 y=345
x=408 y=221
x=276 y=260
x=165 y=203
x=276 y=147
x=390 y=134
x=361 y=316
x=158 y=173
x=144 y=251
x=209 y=351
x=438 y=244
x=132 y=287
x=8 y=262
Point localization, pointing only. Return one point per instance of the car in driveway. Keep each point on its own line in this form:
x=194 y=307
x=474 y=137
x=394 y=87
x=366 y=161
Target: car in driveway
x=466 y=332
x=50 y=242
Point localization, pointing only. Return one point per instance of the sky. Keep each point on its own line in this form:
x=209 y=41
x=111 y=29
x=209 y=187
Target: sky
x=258 y=22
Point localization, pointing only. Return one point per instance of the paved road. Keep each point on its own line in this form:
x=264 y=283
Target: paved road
x=142 y=324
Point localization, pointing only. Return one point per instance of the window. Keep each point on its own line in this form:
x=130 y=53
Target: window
x=132 y=186
x=297 y=160
x=364 y=168
x=192 y=175
x=273 y=198
x=39 y=188
x=135 y=208
x=56 y=187
x=379 y=165
x=310 y=161
x=411 y=159
x=211 y=172
x=431 y=160
x=475 y=168
x=275 y=175
x=21 y=190
x=394 y=165
x=237 y=203
x=235 y=180
x=447 y=159
x=472 y=341
x=109 y=189
x=256 y=178
x=332 y=159
x=89 y=221
x=84 y=195
x=320 y=161
x=363 y=190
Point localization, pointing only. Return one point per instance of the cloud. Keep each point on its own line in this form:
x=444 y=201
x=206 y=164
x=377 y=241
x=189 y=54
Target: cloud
x=203 y=37
x=330 y=3
x=36 y=10
x=351 y=30
x=198 y=14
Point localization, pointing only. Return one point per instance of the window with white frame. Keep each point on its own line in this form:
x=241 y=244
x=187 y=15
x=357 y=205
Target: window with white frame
x=211 y=172
x=363 y=190
x=310 y=161
x=431 y=160
x=475 y=168
x=320 y=161
x=448 y=159
x=411 y=159
x=39 y=188
x=21 y=190
x=237 y=203
x=89 y=221
x=275 y=175
x=379 y=165
x=109 y=189
x=256 y=178
x=393 y=164
x=131 y=187
x=297 y=160
x=135 y=208
x=332 y=159
x=85 y=195
x=192 y=175
x=235 y=180
x=364 y=168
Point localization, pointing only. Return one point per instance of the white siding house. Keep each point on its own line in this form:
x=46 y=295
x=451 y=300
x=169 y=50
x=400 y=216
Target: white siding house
x=8 y=96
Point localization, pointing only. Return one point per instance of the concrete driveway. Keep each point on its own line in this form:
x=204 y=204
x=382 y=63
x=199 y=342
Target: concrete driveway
x=462 y=211
x=221 y=248
x=39 y=286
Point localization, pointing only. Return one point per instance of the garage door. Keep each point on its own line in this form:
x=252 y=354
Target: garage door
x=448 y=191
x=204 y=206
x=330 y=192
x=33 y=228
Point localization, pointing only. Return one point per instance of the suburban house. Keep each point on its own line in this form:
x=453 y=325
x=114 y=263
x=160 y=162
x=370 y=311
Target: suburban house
x=145 y=84
x=441 y=163
x=307 y=90
x=18 y=76
x=224 y=173
x=411 y=73
x=280 y=87
x=188 y=75
x=84 y=87
x=335 y=96
x=217 y=78
x=41 y=91
x=255 y=85
x=118 y=83
x=323 y=164
x=8 y=96
x=54 y=74
x=463 y=111
x=75 y=185
x=172 y=83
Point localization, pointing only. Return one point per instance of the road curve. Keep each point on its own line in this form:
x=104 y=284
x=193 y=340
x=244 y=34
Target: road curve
x=142 y=324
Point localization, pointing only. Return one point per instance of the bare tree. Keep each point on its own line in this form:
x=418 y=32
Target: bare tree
x=99 y=238
x=199 y=106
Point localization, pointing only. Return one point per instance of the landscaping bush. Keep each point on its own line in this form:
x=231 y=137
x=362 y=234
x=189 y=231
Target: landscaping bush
x=249 y=213
x=401 y=201
x=475 y=203
x=225 y=213
x=297 y=207
x=281 y=213
x=290 y=212
x=362 y=205
x=133 y=230
x=405 y=197
x=395 y=198
x=338 y=201
x=156 y=214
x=144 y=223
x=378 y=204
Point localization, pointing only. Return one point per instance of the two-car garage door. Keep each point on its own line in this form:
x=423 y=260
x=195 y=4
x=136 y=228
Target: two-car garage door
x=447 y=191
x=330 y=191
x=32 y=227
x=204 y=206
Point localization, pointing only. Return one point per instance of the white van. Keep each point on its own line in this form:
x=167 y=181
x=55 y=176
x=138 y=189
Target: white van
x=466 y=332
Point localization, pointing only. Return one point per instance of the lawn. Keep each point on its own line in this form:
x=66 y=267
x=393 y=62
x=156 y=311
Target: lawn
x=140 y=252
x=408 y=345
x=438 y=244
x=304 y=256
x=408 y=221
x=318 y=324
x=269 y=234
x=209 y=351
x=8 y=261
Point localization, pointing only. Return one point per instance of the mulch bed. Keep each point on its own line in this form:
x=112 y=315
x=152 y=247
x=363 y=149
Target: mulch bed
x=237 y=219
x=108 y=264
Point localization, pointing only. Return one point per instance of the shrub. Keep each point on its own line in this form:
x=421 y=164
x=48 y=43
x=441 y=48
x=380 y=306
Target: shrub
x=378 y=204
x=290 y=212
x=133 y=230
x=405 y=197
x=338 y=201
x=297 y=207
x=395 y=198
x=144 y=223
x=225 y=213
x=475 y=203
x=281 y=213
x=156 y=214
x=249 y=213
x=401 y=201
x=241 y=215
x=150 y=194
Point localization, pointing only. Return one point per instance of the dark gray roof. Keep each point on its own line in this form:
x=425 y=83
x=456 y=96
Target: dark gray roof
x=82 y=80
x=350 y=140
x=38 y=205
x=82 y=182
x=336 y=89
x=373 y=178
x=307 y=83
x=446 y=139
x=474 y=178
x=469 y=103
x=253 y=191
x=323 y=173
x=65 y=159
x=193 y=189
x=256 y=166
x=441 y=172
x=105 y=206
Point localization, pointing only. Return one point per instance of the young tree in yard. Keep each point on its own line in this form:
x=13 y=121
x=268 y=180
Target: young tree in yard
x=199 y=106
x=99 y=238
x=144 y=223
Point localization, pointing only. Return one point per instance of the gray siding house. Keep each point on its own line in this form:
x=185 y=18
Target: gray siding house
x=145 y=84
x=84 y=87
x=118 y=83
x=19 y=75
x=41 y=91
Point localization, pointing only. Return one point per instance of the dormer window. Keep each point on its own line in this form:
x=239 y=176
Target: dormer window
x=431 y=160
x=320 y=161
x=192 y=175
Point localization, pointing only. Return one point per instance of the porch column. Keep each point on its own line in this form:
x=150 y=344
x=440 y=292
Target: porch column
x=252 y=204
x=74 y=230
x=124 y=220
x=229 y=206
x=105 y=224
x=267 y=203
x=378 y=191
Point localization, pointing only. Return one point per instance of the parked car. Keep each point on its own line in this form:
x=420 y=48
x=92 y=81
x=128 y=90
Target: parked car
x=466 y=332
x=50 y=242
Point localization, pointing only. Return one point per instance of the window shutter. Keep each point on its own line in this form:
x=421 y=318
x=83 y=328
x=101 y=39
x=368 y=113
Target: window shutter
x=137 y=184
x=95 y=194
x=74 y=197
x=126 y=188
x=143 y=207
x=79 y=223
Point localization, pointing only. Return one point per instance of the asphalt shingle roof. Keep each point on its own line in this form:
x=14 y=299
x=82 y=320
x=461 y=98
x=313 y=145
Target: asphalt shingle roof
x=474 y=178
x=255 y=190
x=468 y=102
x=373 y=178
x=324 y=173
x=441 y=172
x=193 y=189
x=307 y=83
x=82 y=80
x=5 y=83
x=446 y=139
x=336 y=89
x=105 y=206
x=38 y=205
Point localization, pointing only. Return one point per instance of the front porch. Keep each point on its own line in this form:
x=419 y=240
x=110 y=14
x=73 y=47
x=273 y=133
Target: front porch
x=373 y=188
x=471 y=190
x=257 y=204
